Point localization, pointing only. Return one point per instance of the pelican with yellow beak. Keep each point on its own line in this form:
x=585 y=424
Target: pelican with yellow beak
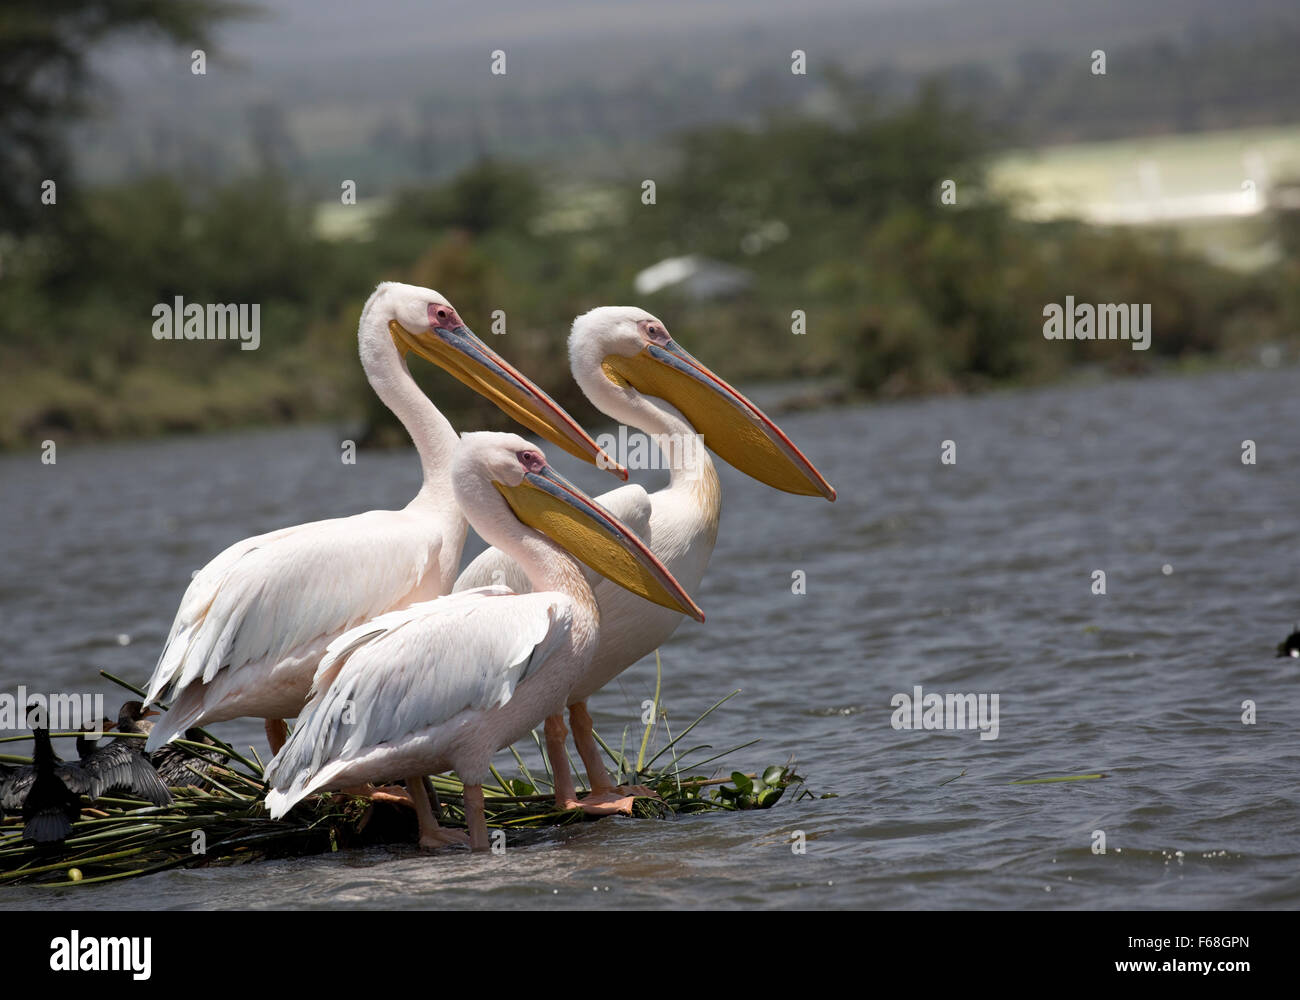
x=446 y=683
x=626 y=363
x=255 y=621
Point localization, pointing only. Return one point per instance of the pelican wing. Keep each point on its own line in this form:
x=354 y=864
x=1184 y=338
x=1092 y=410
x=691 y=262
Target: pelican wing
x=413 y=670
x=265 y=596
x=630 y=504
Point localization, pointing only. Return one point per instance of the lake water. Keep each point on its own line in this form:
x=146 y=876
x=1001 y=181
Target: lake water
x=968 y=578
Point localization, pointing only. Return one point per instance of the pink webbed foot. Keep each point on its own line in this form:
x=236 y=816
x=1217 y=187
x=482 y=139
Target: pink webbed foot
x=433 y=840
x=600 y=804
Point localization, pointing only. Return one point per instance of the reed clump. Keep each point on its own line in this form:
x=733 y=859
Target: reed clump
x=226 y=821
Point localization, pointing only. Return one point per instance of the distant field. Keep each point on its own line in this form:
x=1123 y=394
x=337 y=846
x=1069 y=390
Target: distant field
x=1195 y=181
x=1200 y=183
x=335 y=221
x=1165 y=178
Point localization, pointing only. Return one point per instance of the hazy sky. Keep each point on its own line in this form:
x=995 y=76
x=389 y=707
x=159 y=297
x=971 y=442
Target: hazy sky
x=331 y=26
x=338 y=71
x=300 y=33
x=314 y=35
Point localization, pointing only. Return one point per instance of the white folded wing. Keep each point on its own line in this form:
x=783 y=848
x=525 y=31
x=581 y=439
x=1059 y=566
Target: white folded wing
x=265 y=597
x=410 y=672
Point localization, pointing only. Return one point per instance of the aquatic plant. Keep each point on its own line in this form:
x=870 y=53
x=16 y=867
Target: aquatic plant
x=118 y=838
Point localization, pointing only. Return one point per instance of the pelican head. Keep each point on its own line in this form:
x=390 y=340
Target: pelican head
x=423 y=321
x=490 y=466
x=630 y=348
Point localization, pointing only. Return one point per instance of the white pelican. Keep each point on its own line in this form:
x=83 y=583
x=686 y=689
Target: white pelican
x=446 y=683
x=255 y=621
x=621 y=356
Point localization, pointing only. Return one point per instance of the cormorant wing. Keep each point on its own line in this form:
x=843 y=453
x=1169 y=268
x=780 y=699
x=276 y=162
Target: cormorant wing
x=120 y=767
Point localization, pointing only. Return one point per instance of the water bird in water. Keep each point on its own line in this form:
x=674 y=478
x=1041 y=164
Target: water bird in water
x=46 y=792
x=1290 y=646
x=121 y=766
x=255 y=621
x=631 y=369
x=446 y=683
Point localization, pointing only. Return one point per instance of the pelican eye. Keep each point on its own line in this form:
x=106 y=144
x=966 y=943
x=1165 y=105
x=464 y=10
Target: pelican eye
x=654 y=331
x=532 y=461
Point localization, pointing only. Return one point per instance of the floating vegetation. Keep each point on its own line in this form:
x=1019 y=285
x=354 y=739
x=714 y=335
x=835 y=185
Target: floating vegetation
x=226 y=822
x=1048 y=781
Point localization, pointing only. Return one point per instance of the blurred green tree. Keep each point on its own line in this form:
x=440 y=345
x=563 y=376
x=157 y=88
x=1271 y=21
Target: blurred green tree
x=45 y=81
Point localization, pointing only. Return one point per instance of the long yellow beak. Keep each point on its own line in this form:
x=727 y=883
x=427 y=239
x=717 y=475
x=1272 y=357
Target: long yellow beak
x=459 y=352
x=733 y=427
x=547 y=501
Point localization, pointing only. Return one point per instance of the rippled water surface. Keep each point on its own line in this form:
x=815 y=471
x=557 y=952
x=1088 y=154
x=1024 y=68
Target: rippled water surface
x=974 y=578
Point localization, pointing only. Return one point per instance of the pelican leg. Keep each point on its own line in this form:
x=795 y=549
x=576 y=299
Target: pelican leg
x=392 y=794
x=584 y=738
x=277 y=732
x=431 y=794
x=476 y=818
x=433 y=836
x=565 y=797
x=605 y=799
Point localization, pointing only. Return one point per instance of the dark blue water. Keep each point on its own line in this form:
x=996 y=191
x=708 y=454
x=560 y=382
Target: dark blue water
x=970 y=578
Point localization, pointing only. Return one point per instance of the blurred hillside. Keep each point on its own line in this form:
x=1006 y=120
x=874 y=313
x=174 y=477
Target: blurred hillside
x=330 y=90
x=902 y=293
x=827 y=202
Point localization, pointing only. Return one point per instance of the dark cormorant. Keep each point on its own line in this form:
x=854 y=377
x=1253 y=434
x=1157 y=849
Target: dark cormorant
x=47 y=791
x=14 y=791
x=176 y=765
x=122 y=766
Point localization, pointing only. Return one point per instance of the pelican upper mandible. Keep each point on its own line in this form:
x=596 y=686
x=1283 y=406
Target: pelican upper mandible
x=255 y=621
x=622 y=356
x=446 y=683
